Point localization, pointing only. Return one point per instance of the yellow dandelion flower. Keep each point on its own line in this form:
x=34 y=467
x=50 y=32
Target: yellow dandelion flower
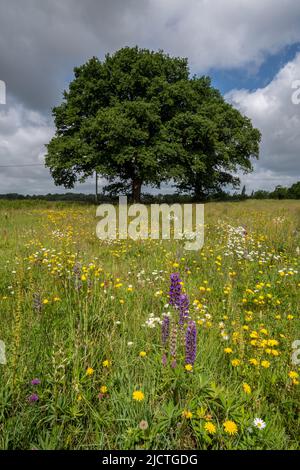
x=235 y=362
x=246 y=388
x=90 y=371
x=254 y=362
x=265 y=364
x=293 y=374
x=228 y=350
x=103 y=389
x=188 y=367
x=230 y=427
x=138 y=395
x=143 y=354
x=210 y=428
x=106 y=363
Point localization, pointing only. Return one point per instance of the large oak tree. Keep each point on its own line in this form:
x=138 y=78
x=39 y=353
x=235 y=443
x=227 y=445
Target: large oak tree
x=139 y=118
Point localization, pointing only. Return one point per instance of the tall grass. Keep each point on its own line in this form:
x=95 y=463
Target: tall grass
x=75 y=314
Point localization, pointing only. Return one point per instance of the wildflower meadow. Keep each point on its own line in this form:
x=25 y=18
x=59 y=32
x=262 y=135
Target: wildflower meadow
x=124 y=344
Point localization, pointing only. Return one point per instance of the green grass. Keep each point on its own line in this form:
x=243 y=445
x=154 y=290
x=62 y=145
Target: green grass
x=66 y=305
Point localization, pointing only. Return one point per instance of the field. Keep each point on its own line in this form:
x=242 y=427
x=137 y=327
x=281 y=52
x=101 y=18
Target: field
x=96 y=356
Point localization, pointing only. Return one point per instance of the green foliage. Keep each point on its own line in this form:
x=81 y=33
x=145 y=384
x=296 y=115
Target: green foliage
x=138 y=118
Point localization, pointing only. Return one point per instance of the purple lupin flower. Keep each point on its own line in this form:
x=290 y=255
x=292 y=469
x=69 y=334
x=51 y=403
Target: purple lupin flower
x=164 y=359
x=175 y=289
x=191 y=343
x=165 y=329
x=183 y=309
x=35 y=382
x=33 y=398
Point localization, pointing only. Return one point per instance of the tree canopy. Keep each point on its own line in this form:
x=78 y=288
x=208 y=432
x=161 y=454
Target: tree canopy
x=138 y=118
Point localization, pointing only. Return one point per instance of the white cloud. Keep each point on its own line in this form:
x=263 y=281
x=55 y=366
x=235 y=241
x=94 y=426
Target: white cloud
x=274 y=113
x=40 y=45
x=222 y=33
x=23 y=134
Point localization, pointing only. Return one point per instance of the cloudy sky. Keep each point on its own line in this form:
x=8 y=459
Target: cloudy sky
x=250 y=48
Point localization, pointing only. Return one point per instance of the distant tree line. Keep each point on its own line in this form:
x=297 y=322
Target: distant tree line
x=279 y=192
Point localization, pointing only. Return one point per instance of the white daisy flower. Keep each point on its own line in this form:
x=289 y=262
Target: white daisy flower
x=259 y=423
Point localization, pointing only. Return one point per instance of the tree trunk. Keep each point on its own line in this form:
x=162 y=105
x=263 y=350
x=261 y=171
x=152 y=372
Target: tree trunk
x=136 y=189
x=199 y=194
x=96 y=188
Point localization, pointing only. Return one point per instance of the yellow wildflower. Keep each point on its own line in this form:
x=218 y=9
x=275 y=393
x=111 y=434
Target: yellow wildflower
x=90 y=371
x=246 y=388
x=293 y=374
x=230 y=427
x=228 y=350
x=235 y=362
x=138 y=395
x=187 y=414
x=210 y=428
